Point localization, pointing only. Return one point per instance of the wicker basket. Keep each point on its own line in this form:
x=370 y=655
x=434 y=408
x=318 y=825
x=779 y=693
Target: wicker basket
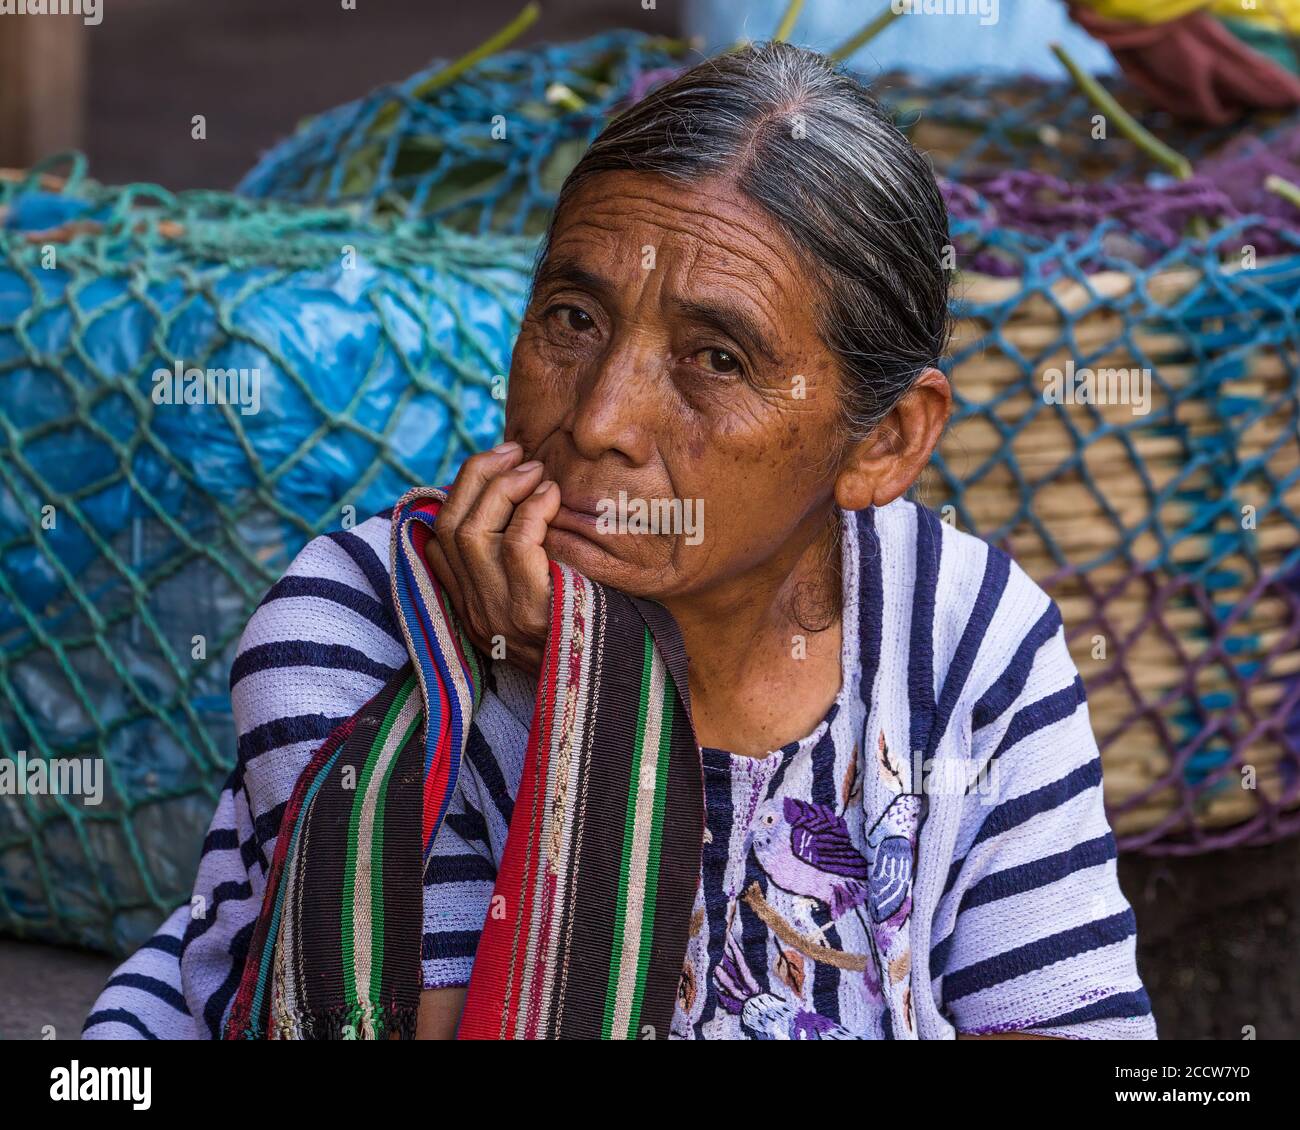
x=1169 y=538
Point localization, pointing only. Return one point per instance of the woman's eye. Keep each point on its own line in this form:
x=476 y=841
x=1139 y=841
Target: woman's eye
x=719 y=360
x=575 y=319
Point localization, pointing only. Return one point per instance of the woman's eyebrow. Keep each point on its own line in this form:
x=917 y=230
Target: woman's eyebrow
x=731 y=320
x=568 y=270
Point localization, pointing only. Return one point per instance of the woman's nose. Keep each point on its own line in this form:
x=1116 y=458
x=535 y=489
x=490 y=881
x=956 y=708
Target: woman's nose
x=617 y=406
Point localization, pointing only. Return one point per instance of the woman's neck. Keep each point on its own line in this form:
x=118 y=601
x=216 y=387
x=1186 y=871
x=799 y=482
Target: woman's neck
x=764 y=646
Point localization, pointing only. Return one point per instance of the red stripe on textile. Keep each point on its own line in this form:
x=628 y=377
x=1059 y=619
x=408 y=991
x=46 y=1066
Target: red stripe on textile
x=435 y=780
x=492 y=1001
x=532 y=1017
x=536 y=768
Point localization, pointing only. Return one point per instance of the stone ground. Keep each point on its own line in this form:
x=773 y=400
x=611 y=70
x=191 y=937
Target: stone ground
x=46 y=985
x=1219 y=941
x=1219 y=951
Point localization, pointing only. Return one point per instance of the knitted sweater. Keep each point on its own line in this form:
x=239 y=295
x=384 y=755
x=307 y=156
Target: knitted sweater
x=950 y=651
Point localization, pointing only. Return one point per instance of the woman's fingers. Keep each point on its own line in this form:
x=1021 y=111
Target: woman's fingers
x=490 y=513
x=471 y=480
x=527 y=567
x=487 y=551
x=478 y=537
x=473 y=476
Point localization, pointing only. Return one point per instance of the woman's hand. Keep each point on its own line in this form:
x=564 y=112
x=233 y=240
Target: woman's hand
x=487 y=553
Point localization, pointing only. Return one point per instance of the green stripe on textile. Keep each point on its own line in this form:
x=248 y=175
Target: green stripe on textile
x=629 y=829
x=348 y=904
x=656 y=843
x=377 y=889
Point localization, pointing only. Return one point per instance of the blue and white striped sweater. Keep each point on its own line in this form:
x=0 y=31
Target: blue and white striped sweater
x=1018 y=920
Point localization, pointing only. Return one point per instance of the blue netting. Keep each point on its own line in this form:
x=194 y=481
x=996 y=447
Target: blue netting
x=380 y=352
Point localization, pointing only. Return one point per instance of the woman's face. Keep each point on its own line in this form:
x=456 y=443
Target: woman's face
x=669 y=353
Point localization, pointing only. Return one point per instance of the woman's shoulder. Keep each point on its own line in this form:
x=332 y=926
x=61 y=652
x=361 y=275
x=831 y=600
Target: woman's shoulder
x=966 y=574
x=322 y=640
x=993 y=629
x=356 y=556
x=347 y=568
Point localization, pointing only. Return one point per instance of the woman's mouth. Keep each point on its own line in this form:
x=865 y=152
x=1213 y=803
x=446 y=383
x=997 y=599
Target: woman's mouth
x=580 y=516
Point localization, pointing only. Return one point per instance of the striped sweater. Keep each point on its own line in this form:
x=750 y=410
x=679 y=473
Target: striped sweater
x=950 y=651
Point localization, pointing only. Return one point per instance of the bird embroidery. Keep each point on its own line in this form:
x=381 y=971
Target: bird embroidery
x=805 y=849
x=891 y=854
x=765 y=1015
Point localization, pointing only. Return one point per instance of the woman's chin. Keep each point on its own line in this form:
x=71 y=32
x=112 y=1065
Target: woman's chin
x=600 y=562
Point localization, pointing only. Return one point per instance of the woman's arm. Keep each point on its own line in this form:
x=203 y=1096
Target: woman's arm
x=440 y=1013
x=1033 y=934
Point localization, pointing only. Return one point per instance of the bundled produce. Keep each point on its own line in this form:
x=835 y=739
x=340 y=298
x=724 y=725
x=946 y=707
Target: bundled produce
x=192 y=386
x=482 y=144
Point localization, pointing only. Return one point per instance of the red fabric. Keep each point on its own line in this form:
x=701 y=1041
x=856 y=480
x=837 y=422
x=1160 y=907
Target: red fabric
x=492 y=1000
x=1194 y=66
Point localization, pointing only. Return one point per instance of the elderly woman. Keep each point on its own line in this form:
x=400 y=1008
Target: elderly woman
x=715 y=733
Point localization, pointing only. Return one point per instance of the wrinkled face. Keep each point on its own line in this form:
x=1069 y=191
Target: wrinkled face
x=669 y=376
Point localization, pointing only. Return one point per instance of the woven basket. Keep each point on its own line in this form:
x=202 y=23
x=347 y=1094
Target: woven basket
x=1170 y=538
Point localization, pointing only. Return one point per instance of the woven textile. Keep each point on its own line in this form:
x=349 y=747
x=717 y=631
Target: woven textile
x=600 y=869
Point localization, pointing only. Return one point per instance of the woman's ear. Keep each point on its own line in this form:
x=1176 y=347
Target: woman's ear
x=882 y=467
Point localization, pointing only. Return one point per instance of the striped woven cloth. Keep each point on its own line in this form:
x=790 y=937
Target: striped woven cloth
x=596 y=887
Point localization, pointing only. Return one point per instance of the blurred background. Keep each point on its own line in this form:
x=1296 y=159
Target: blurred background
x=124 y=90
x=1218 y=926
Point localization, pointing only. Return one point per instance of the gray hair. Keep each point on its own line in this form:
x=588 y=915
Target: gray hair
x=805 y=141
